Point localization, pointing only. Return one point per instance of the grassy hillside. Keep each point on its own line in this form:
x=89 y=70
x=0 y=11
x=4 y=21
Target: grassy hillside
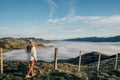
x=10 y=44
x=16 y=70
x=86 y=58
x=20 y=43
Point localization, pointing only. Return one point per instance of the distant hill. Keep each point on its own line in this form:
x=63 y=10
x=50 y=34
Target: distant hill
x=10 y=43
x=26 y=39
x=86 y=58
x=96 y=39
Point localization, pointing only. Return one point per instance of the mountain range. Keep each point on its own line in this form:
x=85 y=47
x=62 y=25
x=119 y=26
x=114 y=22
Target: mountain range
x=96 y=39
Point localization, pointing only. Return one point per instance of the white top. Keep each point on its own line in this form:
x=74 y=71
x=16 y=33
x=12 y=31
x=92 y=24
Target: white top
x=32 y=55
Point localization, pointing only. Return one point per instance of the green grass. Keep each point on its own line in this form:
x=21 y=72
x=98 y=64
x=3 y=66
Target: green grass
x=16 y=70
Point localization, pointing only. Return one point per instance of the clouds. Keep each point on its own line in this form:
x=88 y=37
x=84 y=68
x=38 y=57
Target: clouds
x=18 y=32
x=58 y=19
x=53 y=7
x=5 y=31
x=57 y=10
x=84 y=19
x=68 y=27
x=71 y=11
x=93 y=20
x=89 y=25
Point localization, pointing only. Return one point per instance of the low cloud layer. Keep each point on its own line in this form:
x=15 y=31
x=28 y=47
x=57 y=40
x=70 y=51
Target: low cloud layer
x=66 y=50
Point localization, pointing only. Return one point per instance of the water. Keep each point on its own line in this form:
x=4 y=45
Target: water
x=66 y=50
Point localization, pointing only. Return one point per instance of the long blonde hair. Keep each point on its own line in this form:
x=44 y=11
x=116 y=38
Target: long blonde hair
x=29 y=47
x=32 y=44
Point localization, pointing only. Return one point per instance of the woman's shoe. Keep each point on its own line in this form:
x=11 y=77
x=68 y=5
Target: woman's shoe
x=27 y=76
x=33 y=74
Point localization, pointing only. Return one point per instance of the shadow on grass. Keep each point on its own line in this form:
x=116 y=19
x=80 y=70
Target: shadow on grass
x=66 y=76
x=115 y=72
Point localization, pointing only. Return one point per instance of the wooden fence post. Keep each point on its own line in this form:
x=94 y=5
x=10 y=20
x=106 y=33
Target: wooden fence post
x=79 y=61
x=98 y=66
x=55 y=58
x=1 y=59
x=116 y=61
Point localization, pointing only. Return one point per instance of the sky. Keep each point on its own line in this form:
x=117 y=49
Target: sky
x=59 y=19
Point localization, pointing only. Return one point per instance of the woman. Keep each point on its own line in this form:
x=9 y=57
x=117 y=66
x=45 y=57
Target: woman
x=32 y=57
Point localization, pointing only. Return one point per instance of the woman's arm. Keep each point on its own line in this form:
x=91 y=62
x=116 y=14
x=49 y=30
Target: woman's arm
x=34 y=53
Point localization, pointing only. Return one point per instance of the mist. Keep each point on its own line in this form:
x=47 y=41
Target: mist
x=66 y=49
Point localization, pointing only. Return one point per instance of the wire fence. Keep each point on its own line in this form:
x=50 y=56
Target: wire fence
x=98 y=65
